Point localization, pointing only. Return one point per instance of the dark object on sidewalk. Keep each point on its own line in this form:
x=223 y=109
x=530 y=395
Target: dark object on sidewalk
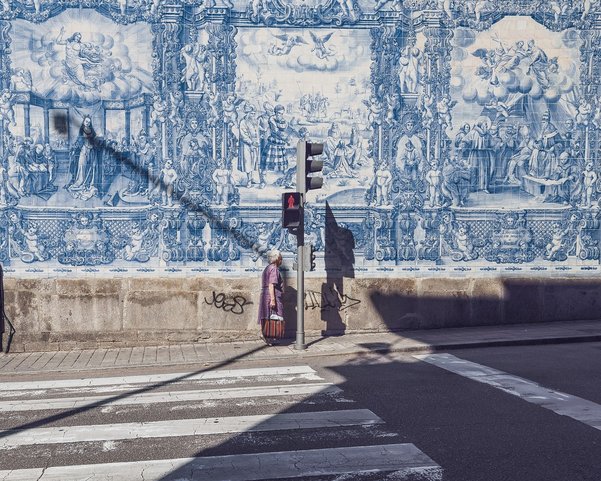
x=4 y=318
x=273 y=328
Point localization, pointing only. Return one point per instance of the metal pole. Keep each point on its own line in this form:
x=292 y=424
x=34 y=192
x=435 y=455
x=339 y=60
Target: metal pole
x=300 y=280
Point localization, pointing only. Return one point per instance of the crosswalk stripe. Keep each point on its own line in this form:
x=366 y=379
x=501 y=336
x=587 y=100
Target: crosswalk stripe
x=305 y=372
x=406 y=459
x=187 y=427
x=561 y=403
x=168 y=397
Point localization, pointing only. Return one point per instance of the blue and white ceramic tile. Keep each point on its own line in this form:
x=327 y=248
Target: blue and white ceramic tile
x=158 y=136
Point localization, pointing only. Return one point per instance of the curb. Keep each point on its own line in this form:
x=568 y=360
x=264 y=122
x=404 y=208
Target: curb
x=426 y=348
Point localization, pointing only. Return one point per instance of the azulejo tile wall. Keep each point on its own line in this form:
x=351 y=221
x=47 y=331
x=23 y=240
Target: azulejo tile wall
x=149 y=136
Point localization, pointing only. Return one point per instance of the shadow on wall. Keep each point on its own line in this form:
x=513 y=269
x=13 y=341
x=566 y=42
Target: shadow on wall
x=339 y=259
x=429 y=303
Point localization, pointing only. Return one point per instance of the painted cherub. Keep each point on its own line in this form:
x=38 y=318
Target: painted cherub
x=4 y=195
x=135 y=243
x=262 y=244
x=167 y=178
x=584 y=112
x=230 y=109
x=444 y=106
x=428 y=110
x=557 y=241
x=383 y=181
x=224 y=183
x=374 y=114
x=177 y=101
x=7 y=111
x=434 y=179
x=159 y=110
x=589 y=181
x=463 y=243
x=32 y=243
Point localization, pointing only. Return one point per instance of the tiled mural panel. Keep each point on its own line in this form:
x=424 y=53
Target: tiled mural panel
x=143 y=136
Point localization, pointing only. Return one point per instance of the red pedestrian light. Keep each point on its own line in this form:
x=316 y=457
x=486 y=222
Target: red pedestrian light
x=291 y=210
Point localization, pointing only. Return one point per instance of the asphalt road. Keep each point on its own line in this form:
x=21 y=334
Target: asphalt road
x=494 y=414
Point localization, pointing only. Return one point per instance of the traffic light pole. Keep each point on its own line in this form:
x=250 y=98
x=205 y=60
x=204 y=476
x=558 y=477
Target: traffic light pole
x=300 y=280
x=304 y=165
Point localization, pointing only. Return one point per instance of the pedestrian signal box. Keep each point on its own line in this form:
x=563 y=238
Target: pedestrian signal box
x=291 y=210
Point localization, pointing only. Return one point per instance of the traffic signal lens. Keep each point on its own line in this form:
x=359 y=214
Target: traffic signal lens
x=291 y=210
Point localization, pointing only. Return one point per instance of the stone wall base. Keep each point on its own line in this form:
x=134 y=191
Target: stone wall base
x=59 y=314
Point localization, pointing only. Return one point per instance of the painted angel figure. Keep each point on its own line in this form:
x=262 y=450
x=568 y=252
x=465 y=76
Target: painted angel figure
x=319 y=46
x=7 y=112
x=6 y=5
x=123 y=6
x=289 y=42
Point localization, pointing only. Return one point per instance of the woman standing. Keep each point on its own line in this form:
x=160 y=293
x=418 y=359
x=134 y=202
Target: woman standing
x=272 y=288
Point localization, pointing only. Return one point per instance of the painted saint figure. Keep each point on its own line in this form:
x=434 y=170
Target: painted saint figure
x=277 y=141
x=84 y=166
x=80 y=58
x=193 y=73
x=479 y=156
x=410 y=66
x=248 y=157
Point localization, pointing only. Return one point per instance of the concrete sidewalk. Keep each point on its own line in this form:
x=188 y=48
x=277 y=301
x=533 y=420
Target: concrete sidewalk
x=358 y=344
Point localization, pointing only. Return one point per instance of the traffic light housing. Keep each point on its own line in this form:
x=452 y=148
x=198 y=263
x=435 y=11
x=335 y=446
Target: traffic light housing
x=291 y=210
x=305 y=165
x=309 y=257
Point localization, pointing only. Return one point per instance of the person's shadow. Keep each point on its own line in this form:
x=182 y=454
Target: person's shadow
x=339 y=259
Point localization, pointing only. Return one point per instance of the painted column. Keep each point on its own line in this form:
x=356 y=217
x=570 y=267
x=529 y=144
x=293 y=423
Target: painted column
x=46 y=125
x=27 y=119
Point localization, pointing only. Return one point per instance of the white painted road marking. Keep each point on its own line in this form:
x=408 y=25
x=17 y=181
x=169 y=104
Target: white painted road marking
x=168 y=397
x=403 y=458
x=187 y=427
x=561 y=403
x=305 y=372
